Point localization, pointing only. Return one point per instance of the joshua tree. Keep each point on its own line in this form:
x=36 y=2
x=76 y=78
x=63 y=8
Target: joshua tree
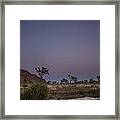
x=91 y=81
x=72 y=79
x=42 y=71
x=98 y=78
x=69 y=76
x=75 y=79
x=64 y=81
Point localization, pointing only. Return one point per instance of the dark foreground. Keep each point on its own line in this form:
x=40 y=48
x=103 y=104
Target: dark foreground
x=65 y=92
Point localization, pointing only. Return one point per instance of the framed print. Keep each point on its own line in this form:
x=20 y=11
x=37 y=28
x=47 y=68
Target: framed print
x=59 y=59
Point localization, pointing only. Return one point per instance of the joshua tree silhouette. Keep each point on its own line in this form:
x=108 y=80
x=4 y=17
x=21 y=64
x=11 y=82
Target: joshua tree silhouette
x=72 y=79
x=42 y=71
x=98 y=77
x=64 y=81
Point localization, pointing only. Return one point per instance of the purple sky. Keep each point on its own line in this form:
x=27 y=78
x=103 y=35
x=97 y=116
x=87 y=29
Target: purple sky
x=63 y=46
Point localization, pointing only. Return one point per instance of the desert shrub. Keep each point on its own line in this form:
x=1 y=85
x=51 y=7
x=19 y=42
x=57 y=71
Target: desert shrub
x=36 y=91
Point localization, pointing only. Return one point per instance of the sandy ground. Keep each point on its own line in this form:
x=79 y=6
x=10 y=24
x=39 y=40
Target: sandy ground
x=86 y=98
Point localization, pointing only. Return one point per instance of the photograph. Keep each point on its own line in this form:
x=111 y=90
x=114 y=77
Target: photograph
x=59 y=59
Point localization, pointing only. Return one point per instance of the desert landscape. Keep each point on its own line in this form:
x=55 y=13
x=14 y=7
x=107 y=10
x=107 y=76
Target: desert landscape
x=36 y=88
x=60 y=59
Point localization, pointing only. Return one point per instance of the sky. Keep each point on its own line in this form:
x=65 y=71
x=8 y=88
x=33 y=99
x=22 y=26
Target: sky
x=63 y=46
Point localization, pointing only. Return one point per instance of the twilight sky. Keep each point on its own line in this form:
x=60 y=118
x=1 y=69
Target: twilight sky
x=63 y=46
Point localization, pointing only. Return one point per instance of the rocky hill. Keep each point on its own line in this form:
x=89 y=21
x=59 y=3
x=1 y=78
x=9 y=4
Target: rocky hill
x=26 y=78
